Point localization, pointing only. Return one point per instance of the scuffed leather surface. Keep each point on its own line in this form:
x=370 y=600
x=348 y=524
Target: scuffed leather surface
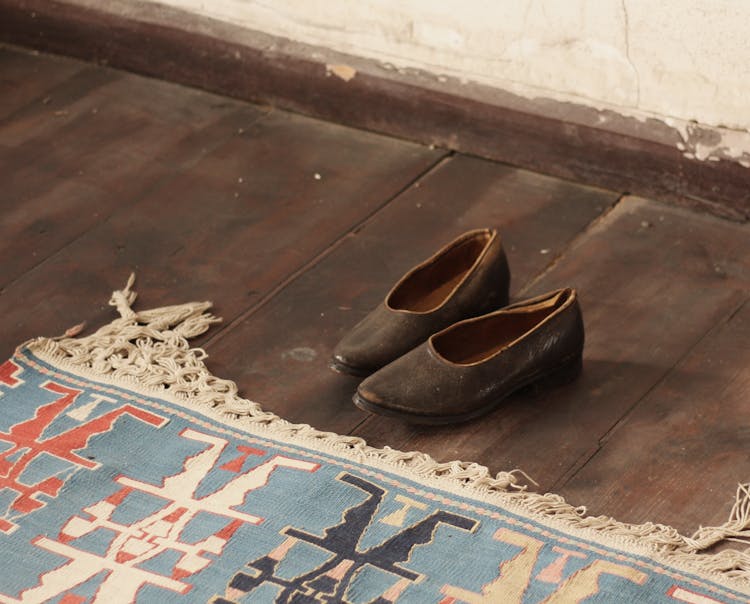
x=423 y=383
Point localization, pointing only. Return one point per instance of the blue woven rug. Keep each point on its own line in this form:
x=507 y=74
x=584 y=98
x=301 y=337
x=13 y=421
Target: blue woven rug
x=128 y=473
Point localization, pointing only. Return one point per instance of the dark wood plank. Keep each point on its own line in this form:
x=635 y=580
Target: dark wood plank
x=677 y=457
x=653 y=279
x=51 y=112
x=33 y=227
x=96 y=122
x=228 y=227
x=114 y=139
x=23 y=82
x=279 y=354
x=538 y=134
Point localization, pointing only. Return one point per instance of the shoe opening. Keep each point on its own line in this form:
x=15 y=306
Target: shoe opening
x=427 y=288
x=478 y=340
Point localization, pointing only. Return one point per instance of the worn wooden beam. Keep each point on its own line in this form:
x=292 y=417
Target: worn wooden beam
x=175 y=46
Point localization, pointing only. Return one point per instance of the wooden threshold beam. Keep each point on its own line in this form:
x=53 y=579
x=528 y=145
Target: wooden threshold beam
x=545 y=136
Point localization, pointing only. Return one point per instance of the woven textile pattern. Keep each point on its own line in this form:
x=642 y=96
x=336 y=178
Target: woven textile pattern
x=109 y=495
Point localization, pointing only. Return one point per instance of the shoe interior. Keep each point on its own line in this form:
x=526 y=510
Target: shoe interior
x=429 y=286
x=478 y=340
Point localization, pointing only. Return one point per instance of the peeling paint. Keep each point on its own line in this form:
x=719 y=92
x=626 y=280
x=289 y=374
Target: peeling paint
x=705 y=143
x=345 y=72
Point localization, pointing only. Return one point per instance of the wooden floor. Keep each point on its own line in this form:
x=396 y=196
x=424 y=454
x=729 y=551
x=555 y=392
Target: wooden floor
x=296 y=228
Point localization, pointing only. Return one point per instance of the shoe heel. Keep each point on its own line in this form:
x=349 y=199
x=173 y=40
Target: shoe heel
x=561 y=375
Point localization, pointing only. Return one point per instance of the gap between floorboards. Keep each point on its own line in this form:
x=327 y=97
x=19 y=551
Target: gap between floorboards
x=159 y=182
x=579 y=464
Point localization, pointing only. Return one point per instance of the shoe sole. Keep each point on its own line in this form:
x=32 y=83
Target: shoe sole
x=562 y=374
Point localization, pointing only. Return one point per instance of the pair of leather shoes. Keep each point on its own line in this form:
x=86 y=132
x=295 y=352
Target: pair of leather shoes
x=443 y=347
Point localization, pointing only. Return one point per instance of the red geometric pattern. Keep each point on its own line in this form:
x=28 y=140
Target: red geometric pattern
x=27 y=444
x=9 y=372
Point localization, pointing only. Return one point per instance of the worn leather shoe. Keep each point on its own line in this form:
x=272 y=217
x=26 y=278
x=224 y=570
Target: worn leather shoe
x=468 y=277
x=469 y=368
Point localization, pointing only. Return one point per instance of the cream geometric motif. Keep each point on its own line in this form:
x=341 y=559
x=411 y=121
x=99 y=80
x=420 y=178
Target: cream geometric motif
x=134 y=544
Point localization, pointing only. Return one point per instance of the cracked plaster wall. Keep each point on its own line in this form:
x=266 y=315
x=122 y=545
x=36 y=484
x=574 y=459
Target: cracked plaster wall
x=684 y=62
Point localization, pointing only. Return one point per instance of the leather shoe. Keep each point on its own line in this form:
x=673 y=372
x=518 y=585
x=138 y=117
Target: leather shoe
x=466 y=278
x=469 y=368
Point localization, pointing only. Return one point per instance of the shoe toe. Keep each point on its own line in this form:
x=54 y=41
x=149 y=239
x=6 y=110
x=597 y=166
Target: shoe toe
x=393 y=390
x=351 y=357
x=374 y=342
x=376 y=393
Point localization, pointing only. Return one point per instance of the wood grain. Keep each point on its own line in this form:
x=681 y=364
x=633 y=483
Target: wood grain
x=203 y=197
x=677 y=456
x=68 y=167
x=23 y=82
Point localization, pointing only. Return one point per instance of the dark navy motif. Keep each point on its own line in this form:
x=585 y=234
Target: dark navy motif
x=329 y=581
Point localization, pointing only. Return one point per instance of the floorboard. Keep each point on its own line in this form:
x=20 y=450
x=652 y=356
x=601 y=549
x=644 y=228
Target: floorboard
x=24 y=82
x=61 y=184
x=678 y=454
x=202 y=197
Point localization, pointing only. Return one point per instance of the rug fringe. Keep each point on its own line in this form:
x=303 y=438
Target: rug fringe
x=150 y=348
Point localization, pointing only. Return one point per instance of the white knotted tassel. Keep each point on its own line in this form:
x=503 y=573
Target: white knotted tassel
x=123 y=299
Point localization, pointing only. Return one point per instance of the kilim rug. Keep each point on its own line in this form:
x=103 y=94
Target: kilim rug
x=130 y=474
